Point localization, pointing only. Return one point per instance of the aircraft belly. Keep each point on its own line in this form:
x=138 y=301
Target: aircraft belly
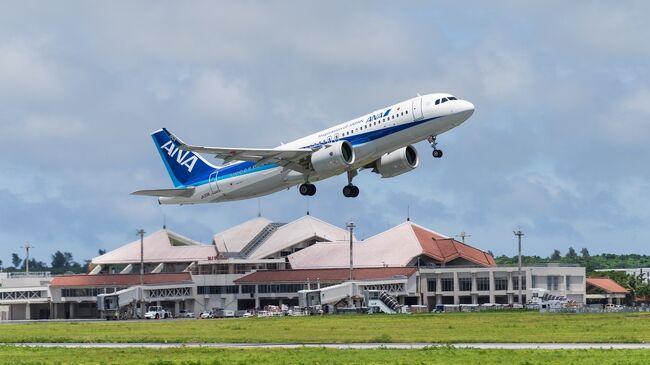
x=254 y=184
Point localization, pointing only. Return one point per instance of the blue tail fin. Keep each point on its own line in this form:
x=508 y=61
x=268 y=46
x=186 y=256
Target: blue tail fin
x=185 y=168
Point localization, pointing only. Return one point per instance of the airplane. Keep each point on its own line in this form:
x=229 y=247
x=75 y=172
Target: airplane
x=381 y=141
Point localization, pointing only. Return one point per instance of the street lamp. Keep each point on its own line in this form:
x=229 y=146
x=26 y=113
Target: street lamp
x=27 y=247
x=140 y=232
x=351 y=226
x=519 y=233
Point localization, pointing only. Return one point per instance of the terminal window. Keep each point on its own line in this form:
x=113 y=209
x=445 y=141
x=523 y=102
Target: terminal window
x=483 y=284
x=431 y=285
x=500 y=283
x=553 y=282
x=515 y=282
x=465 y=284
x=447 y=284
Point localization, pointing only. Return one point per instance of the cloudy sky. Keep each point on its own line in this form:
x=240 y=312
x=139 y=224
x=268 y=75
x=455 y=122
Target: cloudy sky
x=558 y=145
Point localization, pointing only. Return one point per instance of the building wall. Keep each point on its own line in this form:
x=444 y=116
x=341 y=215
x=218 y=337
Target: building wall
x=498 y=284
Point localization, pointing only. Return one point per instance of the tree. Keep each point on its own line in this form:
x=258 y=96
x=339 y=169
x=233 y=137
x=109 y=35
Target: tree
x=556 y=255
x=16 y=260
x=63 y=261
x=0 y=264
x=571 y=254
x=36 y=265
x=490 y=253
x=101 y=252
x=584 y=253
x=59 y=262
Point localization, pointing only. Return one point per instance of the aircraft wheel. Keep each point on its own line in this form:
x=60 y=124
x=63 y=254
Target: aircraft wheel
x=437 y=153
x=350 y=191
x=307 y=189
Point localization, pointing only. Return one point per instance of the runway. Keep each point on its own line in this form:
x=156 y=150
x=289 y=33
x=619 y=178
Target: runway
x=343 y=346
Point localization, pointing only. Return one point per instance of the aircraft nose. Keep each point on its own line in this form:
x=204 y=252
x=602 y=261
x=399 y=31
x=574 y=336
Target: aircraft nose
x=466 y=109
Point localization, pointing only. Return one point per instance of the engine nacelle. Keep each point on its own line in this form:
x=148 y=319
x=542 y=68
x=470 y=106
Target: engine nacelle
x=333 y=159
x=397 y=162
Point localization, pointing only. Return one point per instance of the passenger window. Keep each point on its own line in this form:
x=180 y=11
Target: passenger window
x=402 y=113
x=407 y=112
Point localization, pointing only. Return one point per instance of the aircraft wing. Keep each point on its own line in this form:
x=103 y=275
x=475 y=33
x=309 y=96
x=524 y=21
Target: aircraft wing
x=292 y=158
x=166 y=193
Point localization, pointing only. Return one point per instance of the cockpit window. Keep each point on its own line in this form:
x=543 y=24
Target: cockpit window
x=437 y=101
x=452 y=98
x=444 y=100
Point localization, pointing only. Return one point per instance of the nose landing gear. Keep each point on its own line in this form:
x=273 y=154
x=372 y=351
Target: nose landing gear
x=434 y=144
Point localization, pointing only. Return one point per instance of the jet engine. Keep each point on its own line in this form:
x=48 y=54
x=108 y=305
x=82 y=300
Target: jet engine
x=333 y=159
x=397 y=162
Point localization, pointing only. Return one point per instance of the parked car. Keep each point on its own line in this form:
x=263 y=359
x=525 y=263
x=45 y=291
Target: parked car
x=206 y=315
x=185 y=314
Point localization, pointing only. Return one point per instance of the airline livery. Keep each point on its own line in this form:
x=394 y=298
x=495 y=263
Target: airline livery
x=381 y=141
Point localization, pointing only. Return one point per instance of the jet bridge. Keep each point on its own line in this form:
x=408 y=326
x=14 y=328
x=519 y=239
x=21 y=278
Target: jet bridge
x=379 y=295
x=123 y=304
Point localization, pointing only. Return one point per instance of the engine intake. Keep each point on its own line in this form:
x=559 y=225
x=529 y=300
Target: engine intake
x=397 y=162
x=333 y=159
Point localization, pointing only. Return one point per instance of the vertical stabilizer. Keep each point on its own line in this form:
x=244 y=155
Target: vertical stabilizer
x=185 y=168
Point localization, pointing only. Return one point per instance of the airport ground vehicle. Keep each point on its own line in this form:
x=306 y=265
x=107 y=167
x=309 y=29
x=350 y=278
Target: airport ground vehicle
x=156 y=312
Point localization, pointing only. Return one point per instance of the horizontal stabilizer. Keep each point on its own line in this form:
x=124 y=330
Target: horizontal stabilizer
x=166 y=193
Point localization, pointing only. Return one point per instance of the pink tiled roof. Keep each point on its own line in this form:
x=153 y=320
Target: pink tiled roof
x=160 y=246
x=607 y=285
x=397 y=246
x=119 y=279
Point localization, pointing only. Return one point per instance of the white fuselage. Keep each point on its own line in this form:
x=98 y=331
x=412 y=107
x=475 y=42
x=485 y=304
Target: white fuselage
x=371 y=135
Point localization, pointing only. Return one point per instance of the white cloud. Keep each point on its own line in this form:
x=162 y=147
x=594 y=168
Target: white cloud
x=626 y=119
x=211 y=95
x=26 y=74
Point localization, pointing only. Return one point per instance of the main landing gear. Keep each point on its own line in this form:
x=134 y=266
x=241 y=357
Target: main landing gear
x=307 y=189
x=436 y=152
x=351 y=191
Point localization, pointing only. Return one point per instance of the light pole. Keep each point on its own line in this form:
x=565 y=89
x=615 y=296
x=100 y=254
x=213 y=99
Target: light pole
x=462 y=235
x=351 y=226
x=27 y=247
x=140 y=232
x=519 y=233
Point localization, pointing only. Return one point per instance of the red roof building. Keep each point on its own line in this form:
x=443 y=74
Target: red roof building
x=406 y=245
x=119 y=280
x=606 y=285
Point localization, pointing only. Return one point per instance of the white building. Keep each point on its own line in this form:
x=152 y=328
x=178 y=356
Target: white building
x=260 y=262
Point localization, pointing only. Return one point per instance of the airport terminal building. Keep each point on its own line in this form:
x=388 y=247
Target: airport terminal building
x=304 y=262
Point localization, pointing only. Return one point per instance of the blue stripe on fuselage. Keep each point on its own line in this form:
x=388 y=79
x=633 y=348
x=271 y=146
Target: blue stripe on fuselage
x=246 y=167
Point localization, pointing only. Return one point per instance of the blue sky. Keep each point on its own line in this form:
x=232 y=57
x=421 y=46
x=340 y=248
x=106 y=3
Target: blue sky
x=558 y=145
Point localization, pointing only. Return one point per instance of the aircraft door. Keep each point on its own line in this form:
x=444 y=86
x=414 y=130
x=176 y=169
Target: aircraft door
x=416 y=110
x=214 y=188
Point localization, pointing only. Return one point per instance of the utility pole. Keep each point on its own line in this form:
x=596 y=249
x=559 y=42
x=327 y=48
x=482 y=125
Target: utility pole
x=27 y=247
x=462 y=235
x=140 y=232
x=351 y=226
x=519 y=233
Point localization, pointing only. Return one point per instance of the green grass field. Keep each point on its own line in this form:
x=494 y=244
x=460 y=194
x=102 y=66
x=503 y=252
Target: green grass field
x=432 y=328
x=196 y=356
